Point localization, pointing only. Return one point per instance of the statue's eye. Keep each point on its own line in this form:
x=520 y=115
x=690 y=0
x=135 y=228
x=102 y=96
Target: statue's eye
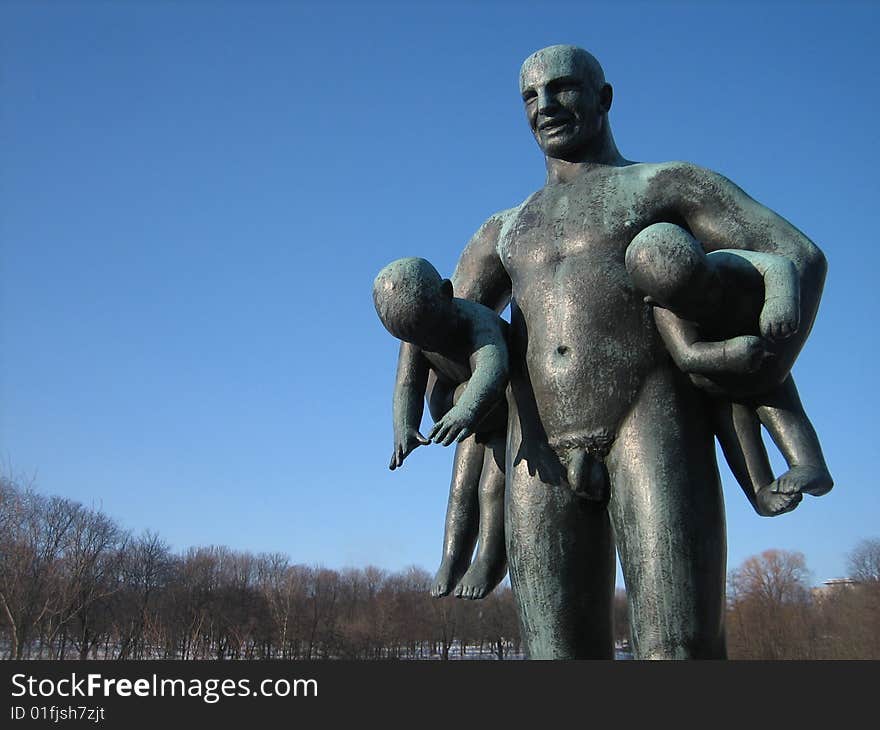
x=568 y=84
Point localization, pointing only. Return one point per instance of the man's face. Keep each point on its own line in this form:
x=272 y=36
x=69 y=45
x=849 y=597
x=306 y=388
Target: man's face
x=562 y=107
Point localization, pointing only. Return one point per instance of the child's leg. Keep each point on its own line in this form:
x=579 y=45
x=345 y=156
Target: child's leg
x=783 y=416
x=462 y=516
x=490 y=564
x=739 y=433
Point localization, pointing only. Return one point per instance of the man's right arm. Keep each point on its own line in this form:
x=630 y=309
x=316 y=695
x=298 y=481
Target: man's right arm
x=479 y=275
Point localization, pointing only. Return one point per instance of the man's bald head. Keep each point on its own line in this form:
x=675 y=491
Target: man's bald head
x=551 y=58
x=566 y=101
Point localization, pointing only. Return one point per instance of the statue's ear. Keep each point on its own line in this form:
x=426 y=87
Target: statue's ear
x=446 y=288
x=606 y=95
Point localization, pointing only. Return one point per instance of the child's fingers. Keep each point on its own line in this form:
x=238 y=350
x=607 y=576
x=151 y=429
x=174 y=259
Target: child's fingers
x=438 y=432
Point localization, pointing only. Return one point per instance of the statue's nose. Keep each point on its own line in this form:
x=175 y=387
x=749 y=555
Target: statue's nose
x=546 y=102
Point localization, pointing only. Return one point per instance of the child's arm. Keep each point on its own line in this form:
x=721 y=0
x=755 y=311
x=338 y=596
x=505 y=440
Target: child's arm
x=780 y=315
x=489 y=367
x=408 y=403
x=738 y=355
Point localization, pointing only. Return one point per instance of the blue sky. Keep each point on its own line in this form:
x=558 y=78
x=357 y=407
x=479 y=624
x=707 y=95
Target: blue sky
x=195 y=198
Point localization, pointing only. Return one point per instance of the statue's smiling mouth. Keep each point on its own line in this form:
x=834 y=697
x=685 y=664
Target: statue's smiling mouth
x=554 y=124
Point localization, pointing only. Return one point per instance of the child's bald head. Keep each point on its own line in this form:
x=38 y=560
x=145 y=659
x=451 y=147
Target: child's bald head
x=666 y=263
x=409 y=294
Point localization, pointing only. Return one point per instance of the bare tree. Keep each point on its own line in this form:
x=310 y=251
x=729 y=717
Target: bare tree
x=35 y=535
x=146 y=570
x=92 y=565
x=770 y=614
x=864 y=561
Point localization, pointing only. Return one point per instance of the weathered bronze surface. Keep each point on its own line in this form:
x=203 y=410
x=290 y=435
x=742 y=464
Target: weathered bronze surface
x=629 y=348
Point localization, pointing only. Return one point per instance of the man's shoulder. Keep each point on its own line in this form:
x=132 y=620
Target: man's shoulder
x=673 y=171
x=499 y=219
x=489 y=234
x=676 y=184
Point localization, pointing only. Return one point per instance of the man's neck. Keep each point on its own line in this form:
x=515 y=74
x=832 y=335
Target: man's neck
x=603 y=153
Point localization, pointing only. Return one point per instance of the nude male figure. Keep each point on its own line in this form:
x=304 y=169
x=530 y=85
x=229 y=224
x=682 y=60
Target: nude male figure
x=593 y=388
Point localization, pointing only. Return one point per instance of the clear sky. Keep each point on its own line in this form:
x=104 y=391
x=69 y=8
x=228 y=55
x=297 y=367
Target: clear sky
x=195 y=198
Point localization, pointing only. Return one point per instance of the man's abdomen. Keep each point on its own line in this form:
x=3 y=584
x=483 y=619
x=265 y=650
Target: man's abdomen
x=588 y=342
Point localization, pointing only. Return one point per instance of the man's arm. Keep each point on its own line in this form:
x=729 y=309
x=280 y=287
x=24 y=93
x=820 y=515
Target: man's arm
x=479 y=274
x=738 y=355
x=721 y=215
x=408 y=403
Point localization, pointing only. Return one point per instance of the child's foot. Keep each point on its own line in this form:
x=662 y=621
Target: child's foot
x=807 y=479
x=448 y=574
x=771 y=504
x=481 y=578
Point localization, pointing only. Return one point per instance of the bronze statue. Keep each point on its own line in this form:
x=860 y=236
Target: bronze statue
x=608 y=441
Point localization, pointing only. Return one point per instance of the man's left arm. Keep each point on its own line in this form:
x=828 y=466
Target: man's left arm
x=720 y=215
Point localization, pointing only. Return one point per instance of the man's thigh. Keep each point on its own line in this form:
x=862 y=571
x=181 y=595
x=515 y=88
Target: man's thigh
x=561 y=560
x=667 y=512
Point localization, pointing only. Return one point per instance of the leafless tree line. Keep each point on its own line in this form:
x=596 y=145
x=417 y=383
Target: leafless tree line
x=773 y=613
x=73 y=584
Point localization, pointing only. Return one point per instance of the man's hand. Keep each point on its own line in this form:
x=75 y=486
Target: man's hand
x=779 y=318
x=409 y=439
x=745 y=354
x=541 y=460
x=455 y=425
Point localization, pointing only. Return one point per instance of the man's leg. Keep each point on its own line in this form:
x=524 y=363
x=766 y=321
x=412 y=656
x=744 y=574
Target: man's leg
x=561 y=559
x=668 y=516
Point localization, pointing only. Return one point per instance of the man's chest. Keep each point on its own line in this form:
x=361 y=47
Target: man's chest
x=568 y=225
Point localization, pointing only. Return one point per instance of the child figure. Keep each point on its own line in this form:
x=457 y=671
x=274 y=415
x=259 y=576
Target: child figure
x=727 y=318
x=462 y=369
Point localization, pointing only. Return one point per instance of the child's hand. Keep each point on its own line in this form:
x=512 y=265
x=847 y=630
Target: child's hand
x=404 y=443
x=455 y=425
x=779 y=318
x=745 y=354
